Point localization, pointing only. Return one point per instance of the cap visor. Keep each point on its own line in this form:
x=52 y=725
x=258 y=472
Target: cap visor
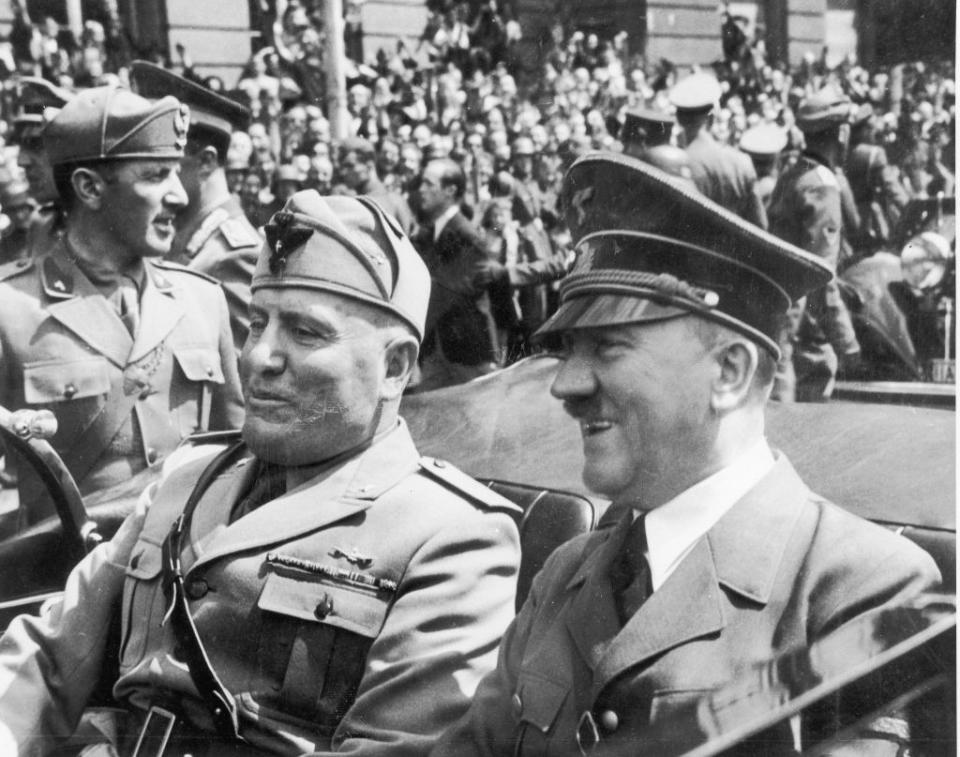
x=607 y=310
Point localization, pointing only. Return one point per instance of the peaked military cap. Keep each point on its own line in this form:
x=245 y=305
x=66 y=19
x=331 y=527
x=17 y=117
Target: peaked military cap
x=764 y=140
x=824 y=108
x=649 y=248
x=34 y=97
x=348 y=246
x=646 y=123
x=110 y=123
x=697 y=92
x=207 y=108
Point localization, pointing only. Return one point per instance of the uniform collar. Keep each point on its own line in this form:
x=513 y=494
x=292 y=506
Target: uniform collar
x=674 y=527
x=334 y=494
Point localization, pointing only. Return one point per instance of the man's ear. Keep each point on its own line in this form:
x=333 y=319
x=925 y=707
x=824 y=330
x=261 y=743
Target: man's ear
x=399 y=357
x=88 y=187
x=737 y=361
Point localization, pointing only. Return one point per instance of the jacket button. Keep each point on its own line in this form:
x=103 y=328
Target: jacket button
x=151 y=456
x=197 y=588
x=609 y=720
x=517 y=703
x=324 y=607
x=69 y=390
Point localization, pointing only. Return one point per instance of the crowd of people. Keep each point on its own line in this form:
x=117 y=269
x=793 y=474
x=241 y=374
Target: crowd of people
x=462 y=94
x=294 y=576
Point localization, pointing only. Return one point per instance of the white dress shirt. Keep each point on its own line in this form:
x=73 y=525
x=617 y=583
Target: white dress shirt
x=673 y=528
x=443 y=220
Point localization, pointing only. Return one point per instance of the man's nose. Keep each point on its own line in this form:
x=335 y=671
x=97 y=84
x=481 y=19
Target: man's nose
x=263 y=354
x=575 y=379
x=176 y=195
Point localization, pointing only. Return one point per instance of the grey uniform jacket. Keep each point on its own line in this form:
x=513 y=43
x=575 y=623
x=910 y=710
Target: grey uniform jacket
x=63 y=347
x=315 y=660
x=224 y=245
x=780 y=569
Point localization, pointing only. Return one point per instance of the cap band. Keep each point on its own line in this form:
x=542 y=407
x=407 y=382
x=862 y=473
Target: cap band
x=676 y=275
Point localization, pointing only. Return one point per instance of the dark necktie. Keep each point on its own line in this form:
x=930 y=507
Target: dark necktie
x=271 y=483
x=630 y=572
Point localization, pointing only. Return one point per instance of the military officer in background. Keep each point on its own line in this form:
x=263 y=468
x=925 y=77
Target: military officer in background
x=347 y=594
x=213 y=233
x=130 y=353
x=764 y=143
x=644 y=128
x=647 y=134
x=719 y=555
x=807 y=210
x=39 y=100
x=722 y=173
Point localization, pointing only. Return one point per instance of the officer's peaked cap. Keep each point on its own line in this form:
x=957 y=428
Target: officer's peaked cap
x=650 y=247
x=207 y=108
x=765 y=140
x=348 y=246
x=824 y=108
x=698 y=92
x=35 y=99
x=110 y=123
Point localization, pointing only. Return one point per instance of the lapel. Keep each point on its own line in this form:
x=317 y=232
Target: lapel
x=687 y=606
x=347 y=489
x=749 y=542
x=78 y=305
x=742 y=552
x=592 y=618
x=160 y=312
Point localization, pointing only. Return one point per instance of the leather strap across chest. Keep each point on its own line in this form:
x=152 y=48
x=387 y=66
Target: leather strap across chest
x=219 y=701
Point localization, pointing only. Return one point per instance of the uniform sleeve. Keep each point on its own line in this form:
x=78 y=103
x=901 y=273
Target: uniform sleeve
x=489 y=727
x=234 y=271
x=440 y=638
x=227 y=401
x=50 y=664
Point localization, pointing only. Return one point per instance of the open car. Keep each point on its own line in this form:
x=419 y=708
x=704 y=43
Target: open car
x=892 y=463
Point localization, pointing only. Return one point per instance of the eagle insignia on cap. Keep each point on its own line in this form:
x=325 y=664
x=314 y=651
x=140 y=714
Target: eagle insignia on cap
x=580 y=198
x=181 y=123
x=283 y=238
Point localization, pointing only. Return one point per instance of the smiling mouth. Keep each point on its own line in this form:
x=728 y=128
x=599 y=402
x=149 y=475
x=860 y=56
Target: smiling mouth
x=593 y=427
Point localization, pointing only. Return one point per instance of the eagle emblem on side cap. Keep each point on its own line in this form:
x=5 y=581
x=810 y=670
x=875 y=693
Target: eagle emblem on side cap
x=181 y=123
x=283 y=237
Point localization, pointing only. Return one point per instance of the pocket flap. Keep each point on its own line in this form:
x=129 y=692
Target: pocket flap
x=356 y=610
x=146 y=561
x=540 y=699
x=200 y=364
x=58 y=381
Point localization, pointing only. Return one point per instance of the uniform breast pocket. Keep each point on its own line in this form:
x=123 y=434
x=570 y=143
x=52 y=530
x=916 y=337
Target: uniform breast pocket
x=537 y=702
x=141 y=591
x=190 y=397
x=313 y=649
x=48 y=382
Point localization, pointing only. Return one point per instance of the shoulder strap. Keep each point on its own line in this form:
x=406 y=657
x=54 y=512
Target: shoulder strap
x=467 y=487
x=15 y=268
x=206 y=230
x=219 y=701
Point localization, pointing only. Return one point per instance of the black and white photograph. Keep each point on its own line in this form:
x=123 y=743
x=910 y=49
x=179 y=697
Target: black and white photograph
x=483 y=378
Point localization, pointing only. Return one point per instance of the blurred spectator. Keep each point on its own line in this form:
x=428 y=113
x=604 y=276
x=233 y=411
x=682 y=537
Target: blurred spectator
x=357 y=164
